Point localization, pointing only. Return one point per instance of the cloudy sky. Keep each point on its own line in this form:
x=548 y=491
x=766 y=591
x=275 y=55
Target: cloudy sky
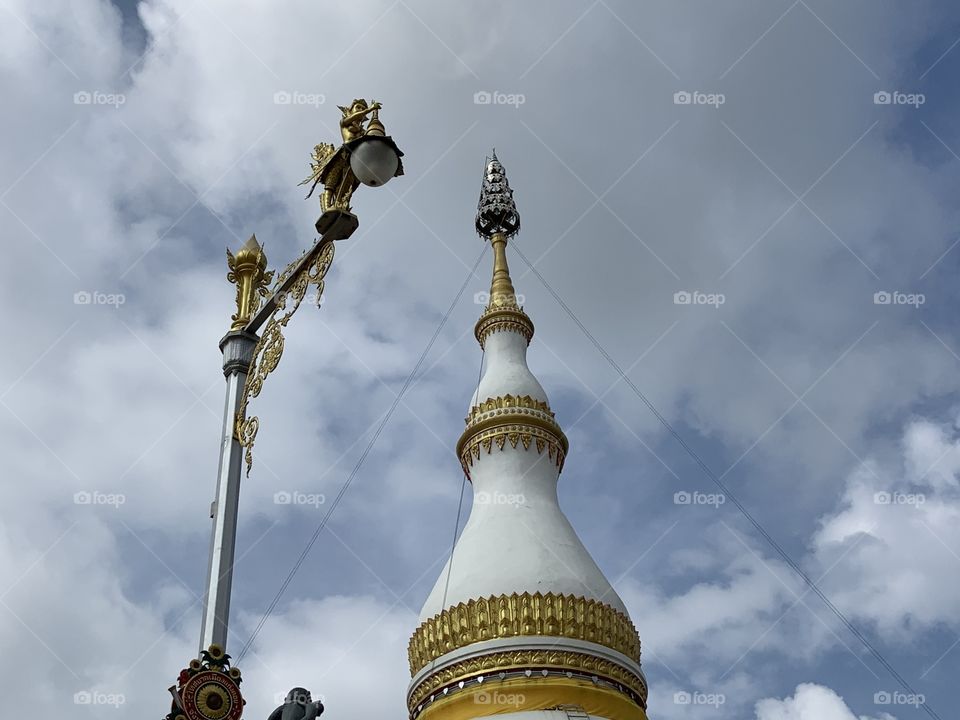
x=788 y=168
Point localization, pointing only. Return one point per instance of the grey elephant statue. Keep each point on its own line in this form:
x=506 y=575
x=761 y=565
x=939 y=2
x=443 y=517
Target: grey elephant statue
x=298 y=705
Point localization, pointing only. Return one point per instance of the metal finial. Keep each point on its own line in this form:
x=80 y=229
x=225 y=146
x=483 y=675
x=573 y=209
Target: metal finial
x=496 y=211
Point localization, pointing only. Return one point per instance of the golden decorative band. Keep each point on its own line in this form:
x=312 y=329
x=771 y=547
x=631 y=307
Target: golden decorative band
x=516 y=420
x=495 y=319
x=522 y=614
x=507 y=403
x=538 y=661
x=526 y=434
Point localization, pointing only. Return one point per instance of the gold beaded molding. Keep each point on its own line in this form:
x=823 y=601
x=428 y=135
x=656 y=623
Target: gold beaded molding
x=506 y=402
x=516 y=420
x=517 y=615
x=498 y=318
x=535 y=660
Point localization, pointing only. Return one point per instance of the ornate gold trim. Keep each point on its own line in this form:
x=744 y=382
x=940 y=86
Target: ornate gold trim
x=502 y=311
x=496 y=319
x=331 y=166
x=507 y=402
x=269 y=349
x=531 y=695
x=248 y=271
x=522 y=614
x=526 y=660
x=474 y=442
x=497 y=421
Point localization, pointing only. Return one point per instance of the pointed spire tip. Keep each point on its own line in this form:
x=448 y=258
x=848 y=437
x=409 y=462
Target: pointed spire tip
x=496 y=211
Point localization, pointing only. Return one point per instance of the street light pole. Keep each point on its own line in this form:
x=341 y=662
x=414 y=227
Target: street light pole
x=208 y=689
x=239 y=348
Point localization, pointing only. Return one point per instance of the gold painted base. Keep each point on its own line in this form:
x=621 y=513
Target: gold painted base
x=497 y=697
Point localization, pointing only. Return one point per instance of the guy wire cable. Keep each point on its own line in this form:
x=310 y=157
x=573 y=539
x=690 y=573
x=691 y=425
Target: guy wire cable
x=719 y=483
x=463 y=486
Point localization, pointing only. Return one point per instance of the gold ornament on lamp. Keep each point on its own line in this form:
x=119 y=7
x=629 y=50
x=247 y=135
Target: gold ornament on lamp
x=269 y=348
x=367 y=156
x=337 y=168
x=248 y=271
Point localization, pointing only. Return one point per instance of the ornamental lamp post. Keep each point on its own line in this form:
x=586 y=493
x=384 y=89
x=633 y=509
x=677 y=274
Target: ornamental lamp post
x=208 y=689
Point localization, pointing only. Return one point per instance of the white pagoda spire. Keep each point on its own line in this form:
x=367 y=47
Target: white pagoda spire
x=521 y=618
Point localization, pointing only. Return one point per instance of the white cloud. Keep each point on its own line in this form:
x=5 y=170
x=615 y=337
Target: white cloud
x=352 y=651
x=897 y=528
x=68 y=615
x=708 y=626
x=104 y=411
x=811 y=702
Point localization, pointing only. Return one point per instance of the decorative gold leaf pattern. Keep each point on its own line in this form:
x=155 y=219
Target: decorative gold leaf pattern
x=508 y=402
x=515 y=419
x=498 y=319
x=526 y=614
x=470 y=451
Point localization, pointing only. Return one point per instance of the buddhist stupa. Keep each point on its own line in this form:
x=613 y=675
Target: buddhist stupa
x=521 y=622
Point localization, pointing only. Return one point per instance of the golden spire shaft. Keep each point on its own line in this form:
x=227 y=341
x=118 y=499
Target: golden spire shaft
x=502 y=293
x=498 y=221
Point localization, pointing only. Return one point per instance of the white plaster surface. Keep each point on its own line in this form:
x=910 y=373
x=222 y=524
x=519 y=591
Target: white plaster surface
x=517 y=539
x=506 y=369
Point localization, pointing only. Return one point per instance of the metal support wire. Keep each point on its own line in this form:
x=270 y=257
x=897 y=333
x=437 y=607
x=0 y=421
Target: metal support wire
x=463 y=486
x=726 y=491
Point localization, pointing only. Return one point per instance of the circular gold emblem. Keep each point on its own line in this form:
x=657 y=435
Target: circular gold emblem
x=211 y=695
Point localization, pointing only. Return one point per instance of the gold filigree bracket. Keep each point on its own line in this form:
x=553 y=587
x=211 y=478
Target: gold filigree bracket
x=288 y=292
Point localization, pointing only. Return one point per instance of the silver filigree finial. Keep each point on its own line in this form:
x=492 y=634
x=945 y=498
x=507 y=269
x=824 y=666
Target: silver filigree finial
x=496 y=211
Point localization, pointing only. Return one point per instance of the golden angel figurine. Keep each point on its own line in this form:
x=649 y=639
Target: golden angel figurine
x=351 y=124
x=331 y=166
